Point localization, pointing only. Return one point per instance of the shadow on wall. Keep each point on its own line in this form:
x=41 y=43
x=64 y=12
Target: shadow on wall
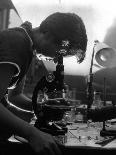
x=109 y=75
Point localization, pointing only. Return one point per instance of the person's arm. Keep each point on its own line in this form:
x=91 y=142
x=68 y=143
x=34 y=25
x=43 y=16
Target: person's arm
x=18 y=98
x=20 y=104
x=102 y=114
x=23 y=114
x=39 y=141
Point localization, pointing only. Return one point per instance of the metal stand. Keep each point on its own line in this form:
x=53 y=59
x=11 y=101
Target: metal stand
x=90 y=82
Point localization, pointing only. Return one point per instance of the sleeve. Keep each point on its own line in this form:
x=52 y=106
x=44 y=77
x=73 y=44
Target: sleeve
x=7 y=56
x=7 y=52
x=14 y=49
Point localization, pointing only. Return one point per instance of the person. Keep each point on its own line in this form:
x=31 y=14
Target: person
x=18 y=46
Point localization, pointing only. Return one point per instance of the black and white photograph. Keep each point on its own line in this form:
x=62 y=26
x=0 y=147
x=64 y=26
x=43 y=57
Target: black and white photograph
x=57 y=77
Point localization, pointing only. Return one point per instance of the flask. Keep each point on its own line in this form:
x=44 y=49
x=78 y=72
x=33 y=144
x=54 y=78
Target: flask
x=79 y=117
x=97 y=100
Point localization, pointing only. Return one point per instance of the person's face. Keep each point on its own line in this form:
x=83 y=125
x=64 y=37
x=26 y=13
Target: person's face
x=46 y=45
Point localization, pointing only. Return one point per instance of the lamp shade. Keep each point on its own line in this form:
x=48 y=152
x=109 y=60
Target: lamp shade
x=105 y=56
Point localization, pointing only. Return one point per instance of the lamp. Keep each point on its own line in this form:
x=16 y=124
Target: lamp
x=104 y=55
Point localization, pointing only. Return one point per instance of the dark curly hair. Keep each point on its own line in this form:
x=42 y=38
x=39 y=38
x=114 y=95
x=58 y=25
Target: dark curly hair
x=66 y=26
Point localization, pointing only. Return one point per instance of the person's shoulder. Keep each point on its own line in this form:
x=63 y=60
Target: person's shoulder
x=10 y=32
x=12 y=35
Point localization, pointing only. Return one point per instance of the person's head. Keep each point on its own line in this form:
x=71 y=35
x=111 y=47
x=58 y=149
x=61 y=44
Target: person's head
x=58 y=28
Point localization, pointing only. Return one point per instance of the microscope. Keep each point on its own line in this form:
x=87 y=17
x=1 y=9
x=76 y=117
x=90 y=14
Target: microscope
x=48 y=99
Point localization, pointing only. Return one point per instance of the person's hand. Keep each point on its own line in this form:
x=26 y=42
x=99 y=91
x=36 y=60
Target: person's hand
x=102 y=114
x=43 y=143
